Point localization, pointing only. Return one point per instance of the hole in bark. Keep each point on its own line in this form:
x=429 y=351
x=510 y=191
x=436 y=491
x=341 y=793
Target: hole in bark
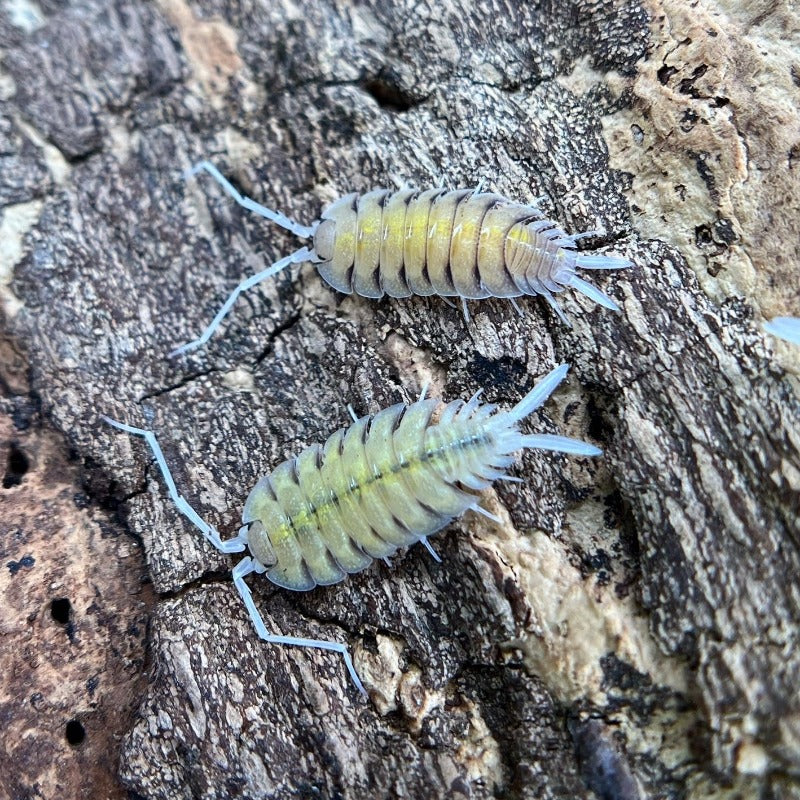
x=75 y=732
x=686 y=86
x=665 y=73
x=703 y=236
x=596 y=428
x=59 y=610
x=18 y=465
x=386 y=94
x=15 y=566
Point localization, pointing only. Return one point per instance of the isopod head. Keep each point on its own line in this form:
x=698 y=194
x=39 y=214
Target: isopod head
x=260 y=505
x=335 y=243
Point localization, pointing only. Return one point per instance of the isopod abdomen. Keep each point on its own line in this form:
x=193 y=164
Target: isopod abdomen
x=386 y=481
x=453 y=243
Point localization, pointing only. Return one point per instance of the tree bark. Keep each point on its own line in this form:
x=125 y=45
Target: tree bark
x=631 y=629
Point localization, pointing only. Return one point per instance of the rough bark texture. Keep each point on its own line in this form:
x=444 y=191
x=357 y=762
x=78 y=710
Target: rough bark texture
x=631 y=630
x=75 y=606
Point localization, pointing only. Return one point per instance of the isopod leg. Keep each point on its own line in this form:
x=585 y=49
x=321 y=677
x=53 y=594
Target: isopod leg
x=535 y=398
x=559 y=444
x=231 y=545
x=303 y=254
x=553 y=303
x=602 y=262
x=429 y=548
x=303 y=231
x=488 y=514
x=468 y=409
x=514 y=303
x=576 y=237
x=245 y=567
x=465 y=310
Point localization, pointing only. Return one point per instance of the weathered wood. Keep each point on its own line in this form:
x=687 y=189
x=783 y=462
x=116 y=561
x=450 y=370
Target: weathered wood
x=632 y=629
x=75 y=605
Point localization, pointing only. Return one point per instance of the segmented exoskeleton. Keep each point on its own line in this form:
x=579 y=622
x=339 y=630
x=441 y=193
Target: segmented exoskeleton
x=387 y=481
x=453 y=243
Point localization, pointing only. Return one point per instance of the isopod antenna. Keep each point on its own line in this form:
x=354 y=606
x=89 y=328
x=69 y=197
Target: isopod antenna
x=303 y=254
x=303 y=231
x=236 y=545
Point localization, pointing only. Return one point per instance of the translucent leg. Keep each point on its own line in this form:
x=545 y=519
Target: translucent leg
x=303 y=254
x=513 y=301
x=576 y=237
x=785 y=327
x=602 y=262
x=553 y=303
x=352 y=413
x=423 y=392
x=483 y=412
x=303 y=231
x=468 y=409
x=465 y=310
x=535 y=398
x=430 y=549
x=488 y=514
x=245 y=567
x=232 y=545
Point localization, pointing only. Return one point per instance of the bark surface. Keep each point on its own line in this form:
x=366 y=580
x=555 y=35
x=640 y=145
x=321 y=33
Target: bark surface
x=631 y=629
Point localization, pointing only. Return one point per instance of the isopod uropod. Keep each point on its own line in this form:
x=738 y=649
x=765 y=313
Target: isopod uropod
x=387 y=481
x=458 y=243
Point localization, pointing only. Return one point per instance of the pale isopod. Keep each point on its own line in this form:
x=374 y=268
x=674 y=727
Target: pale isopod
x=387 y=481
x=785 y=327
x=458 y=243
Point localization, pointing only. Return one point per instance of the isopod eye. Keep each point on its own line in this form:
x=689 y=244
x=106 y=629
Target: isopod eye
x=259 y=545
x=324 y=238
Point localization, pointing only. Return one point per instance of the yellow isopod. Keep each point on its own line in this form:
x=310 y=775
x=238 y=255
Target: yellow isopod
x=387 y=481
x=453 y=243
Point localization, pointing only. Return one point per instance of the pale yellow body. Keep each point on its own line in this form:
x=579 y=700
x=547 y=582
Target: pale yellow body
x=457 y=243
x=385 y=482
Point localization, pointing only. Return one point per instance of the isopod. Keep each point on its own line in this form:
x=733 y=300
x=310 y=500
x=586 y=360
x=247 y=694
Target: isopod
x=453 y=243
x=785 y=327
x=385 y=482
